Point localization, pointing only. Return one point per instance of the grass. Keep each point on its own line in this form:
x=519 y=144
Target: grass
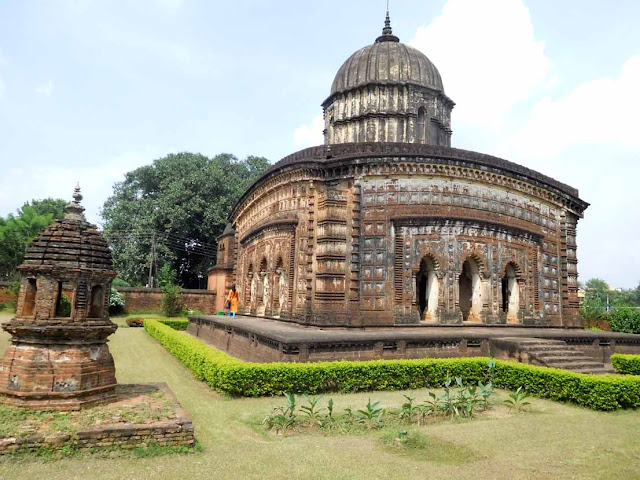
x=554 y=441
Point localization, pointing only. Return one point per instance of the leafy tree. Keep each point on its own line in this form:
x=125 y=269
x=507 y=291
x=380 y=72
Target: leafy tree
x=16 y=231
x=179 y=204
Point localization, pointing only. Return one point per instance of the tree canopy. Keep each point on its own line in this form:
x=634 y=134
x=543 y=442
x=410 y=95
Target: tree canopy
x=16 y=231
x=177 y=206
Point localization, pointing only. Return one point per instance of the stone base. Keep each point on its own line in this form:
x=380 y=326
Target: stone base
x=177 y=431
x=264 y=340
x=59 y=401
x=58 y=374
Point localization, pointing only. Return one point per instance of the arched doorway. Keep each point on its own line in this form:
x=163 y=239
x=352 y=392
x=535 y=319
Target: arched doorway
x=279 y=288
x=510 y=293
x=250 y=289
x=470 y=291
x=427 y=289
x=263 y=289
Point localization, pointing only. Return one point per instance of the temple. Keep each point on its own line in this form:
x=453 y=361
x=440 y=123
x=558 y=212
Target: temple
x=386 y=224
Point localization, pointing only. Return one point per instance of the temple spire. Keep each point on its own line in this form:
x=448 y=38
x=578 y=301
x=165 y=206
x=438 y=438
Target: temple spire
x=74 y=210
x=387 y=32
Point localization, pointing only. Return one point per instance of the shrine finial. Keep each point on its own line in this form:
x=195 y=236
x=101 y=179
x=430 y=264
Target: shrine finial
x=387 y=32
x=75 y=211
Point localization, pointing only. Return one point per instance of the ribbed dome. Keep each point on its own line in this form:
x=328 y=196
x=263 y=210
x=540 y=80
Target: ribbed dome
x=69 y=244
x=386 y=62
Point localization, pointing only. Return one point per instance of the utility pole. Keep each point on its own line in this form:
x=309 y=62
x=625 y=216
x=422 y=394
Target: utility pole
x=152 y=260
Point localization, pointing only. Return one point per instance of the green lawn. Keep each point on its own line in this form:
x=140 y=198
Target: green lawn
x=554 y=441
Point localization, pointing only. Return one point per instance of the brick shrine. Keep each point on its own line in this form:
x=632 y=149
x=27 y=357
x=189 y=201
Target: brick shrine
x=58 y=358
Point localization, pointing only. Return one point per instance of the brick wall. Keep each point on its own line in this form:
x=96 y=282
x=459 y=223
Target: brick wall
x=5 y=295
x=151 y=299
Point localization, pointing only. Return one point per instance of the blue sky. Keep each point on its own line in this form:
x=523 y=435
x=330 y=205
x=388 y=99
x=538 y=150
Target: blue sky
x=92 y=89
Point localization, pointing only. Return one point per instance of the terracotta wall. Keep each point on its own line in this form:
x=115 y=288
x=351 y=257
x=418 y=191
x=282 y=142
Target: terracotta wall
x=5 y=295
x=151 y=299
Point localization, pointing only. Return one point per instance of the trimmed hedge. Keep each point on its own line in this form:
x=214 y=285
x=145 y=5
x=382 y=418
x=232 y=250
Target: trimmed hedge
x=626 y=364
x=175 y=323
x=233 y=376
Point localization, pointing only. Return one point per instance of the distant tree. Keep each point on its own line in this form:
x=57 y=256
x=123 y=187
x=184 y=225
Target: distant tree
x=16 y=231
x=178 y=205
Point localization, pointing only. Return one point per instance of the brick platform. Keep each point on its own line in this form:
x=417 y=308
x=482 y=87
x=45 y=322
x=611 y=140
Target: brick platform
x=266 y=340
x=177 y=431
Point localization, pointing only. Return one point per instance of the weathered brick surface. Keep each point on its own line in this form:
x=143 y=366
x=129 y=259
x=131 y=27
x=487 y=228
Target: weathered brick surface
x=178 y=431
x=5 y=295
x=258 y=340
x=386 y=224
x=58 y=357
x=151 y=299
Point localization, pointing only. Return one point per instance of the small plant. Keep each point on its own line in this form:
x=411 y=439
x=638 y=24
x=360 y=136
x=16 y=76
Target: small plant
x=409 y=410
x=312 y=411
x=371 y=415
x=135 y=322
x=517 y=400
x=280 y=420
x=291 y=403
x=330 y=408
x=427 y=408
x=485 y=392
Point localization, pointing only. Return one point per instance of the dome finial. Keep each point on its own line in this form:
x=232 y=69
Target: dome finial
x=74 y=209
x=387 y=32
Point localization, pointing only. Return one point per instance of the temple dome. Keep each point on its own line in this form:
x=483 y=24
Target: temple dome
x=387 y=62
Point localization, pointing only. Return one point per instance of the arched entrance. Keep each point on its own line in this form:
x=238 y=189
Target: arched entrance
x=470 y=291
x=510 y=293
x=427 y=289
x=279 y=288
x=263 y=289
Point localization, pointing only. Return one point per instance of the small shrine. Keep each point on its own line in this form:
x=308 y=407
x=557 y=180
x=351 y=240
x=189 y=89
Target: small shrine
x=58 y=358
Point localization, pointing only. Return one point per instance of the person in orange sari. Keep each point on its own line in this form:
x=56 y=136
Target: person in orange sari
x=232 y=301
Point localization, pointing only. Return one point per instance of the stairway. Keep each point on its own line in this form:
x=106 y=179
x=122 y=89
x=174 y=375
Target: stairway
x=547 y=353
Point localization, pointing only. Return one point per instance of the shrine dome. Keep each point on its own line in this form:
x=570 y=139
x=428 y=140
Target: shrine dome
x=70 y=243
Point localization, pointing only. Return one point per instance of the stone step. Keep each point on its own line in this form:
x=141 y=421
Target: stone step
x=595 y=371
x=545 y=348
x=553 y=353
x=562 y=362
x=558 y=353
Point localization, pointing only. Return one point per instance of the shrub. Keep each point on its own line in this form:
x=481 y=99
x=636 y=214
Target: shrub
x=625 y=319
x=135 y=322
x=172 y=304
x=230 y=375
x=175 y=323
x=116 y=302
x=626 y=364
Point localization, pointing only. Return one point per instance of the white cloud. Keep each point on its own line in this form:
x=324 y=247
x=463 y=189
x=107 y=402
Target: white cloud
x=603 y=110
x=46 y=89
x=309 y=135
x=488 y=56
x=96 y=181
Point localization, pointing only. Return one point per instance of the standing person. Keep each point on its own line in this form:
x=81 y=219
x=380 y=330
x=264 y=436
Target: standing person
x=232 y=300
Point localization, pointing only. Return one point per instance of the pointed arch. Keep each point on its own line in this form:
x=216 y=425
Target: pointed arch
x=427 y=287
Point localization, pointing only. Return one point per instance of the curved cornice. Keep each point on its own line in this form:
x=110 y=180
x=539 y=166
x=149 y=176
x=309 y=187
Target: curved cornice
x=280 y=223
x=345 y=154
